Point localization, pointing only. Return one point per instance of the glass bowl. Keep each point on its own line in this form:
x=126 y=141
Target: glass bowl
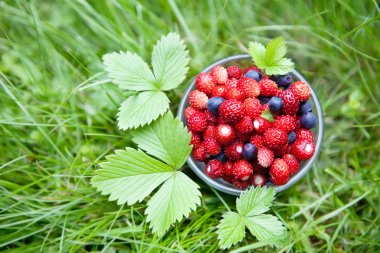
x=244 y=61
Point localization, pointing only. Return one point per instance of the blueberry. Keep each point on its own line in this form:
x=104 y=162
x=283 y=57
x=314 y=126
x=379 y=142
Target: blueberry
x=285 y=80
x=305 y=107
x=275 y=104
x=253 y=74
x=291 y=137
x=213 y=104
x=221 y=157
x=264 y=100
x=308 y=120
x=249 y=151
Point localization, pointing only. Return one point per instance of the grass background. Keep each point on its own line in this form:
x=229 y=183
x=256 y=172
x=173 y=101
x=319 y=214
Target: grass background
x=57 y=120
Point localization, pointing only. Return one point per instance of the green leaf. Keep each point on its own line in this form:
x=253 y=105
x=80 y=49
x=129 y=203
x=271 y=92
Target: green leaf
x=276 y=49
x=265 y=226
x=267 y=115
x=175 y=199
x=169 y=61
x=281 y=67
x=166 y=139
x=142 y=109
x=129 y=176
x=129 y=71
x=255 y=201
x=231 y=230
x=257 y=51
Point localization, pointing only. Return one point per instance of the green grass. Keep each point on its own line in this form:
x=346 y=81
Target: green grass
x=57 y=120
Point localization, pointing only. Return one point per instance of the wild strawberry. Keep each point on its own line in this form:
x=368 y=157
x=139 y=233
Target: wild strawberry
x=244 y=126
x=234 y=150
x=275 y=138
x=265 y=107
x=265 y=157
x=268 y=88
x=250 y=87
x=285 y=122
x=242 y=185
x=251 y=68
x=195 y=139
x=301 y=90
x=224 y=134
x=291 y=102
x=205 y=83
x=214 y=168
x=259 y=180
x=298 y=122
x=292 y=162
x=261 y=125
x=219 y=91
x=252 y=107
x=231 y=111
x=243 y=137
x=235 y=93
x=219 y=74
x=257 y=168
x=257 y=140
x=199 y=153
x=229 y=168
x=281 y=150
x=234 y=72
x=229 y=179
x=302 y=149
x=198 y=99
x=211 y=119
x=304 y=134
x=212 y=147
x=242 y=170
x=279 y=172
x=197 y=122
x=189 y=112
x=209 y=132
x=231 y=83
x=266 y=77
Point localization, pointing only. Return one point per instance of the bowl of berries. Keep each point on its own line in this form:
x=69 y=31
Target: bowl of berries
x=251 y=126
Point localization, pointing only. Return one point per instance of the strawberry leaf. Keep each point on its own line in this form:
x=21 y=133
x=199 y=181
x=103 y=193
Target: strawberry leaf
x=267 y=115
x=280 y=67
x=265 y=226
x=275 y=50
x=231 y=230
x=257 y=52
x=255 y=202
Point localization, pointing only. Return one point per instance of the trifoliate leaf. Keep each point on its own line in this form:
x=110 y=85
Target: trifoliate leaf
x=169 y=61
x=129 y=71
x=257 y=52
x=264 y=226
x=231 y=230
x=130 y=175
x=175 y=199
x=275 y=50
x=255 y=201
x=281 y=67
x=267 y=115
x=142 y=109
x=166 y=139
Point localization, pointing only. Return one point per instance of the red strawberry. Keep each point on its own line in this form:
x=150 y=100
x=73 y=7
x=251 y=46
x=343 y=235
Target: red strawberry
x=243 y=137
x=265 y=107
x=231 y=83
x=261 y=125
x=231 y=111
x=244 y=126
x=205 y=83
x=291 y=102
x=212 y=147
x=229 y=168
x=285 y=122
x=259 y=180
x=242 y=185
x=268 y=88
x=214 y=168
x=304 y=134
x=250 y=87
x=242 y=170
x=279 y=172
x=234 y=72
x=302 y=149
x=301 y=90
x=298 y=122
x=251 y=68
x=252 y=107
x=281 y=151
x=257 y=140
x=195 y=140
x=189 y=112
x=218 y=91
x=265 y=157
x=224 y=134
x=233 y=151
x=198 y=99
x=199 y=153
x=292 y=162
x=209 y=132
x=197 y=122
x=229 y=179
x=219 y=74
x=259 y=169
x=265 y=77
x=275 y=138
x=235 y=93
x=211 y=119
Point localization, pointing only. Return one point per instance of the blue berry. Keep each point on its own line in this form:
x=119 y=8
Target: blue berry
x=213 y=104
x=264 y=100
x=249 y=151
x=308 y=120
x=305 y=107
x=253 y=74
x=221 y=157
x=275 y=104
x=283 y=81
x=291 y=137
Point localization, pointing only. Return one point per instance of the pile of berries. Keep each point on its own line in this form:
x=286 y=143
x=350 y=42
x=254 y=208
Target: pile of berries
x=249 y=128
